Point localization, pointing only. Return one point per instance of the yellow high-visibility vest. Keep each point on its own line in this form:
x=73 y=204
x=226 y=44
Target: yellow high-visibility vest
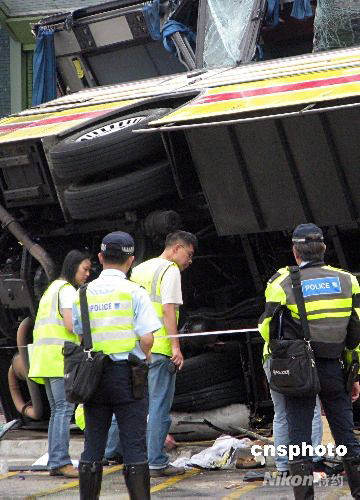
x=111 y=317
x=80 y=417
x=327 y=313
x=49 y=336
x=149 y=275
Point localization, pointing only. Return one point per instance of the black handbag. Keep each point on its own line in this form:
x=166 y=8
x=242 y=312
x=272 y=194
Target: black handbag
x=83 y=367
x=292 y=364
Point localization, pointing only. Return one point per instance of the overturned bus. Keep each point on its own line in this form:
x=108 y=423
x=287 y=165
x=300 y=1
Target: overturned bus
x=211 y=139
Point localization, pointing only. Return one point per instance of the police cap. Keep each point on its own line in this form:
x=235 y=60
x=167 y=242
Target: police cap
x=117 y=243
x=305 y=233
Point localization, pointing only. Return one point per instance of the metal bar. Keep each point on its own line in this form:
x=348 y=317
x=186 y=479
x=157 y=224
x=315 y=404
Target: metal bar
x=25 y=275
x=10 y=223
x=169 y=148
x=188 y=59
x=203 y=15
x=246 y=178
x=294 y=170
x=254 y=435
x=253 y=376
x=244 y=360
x=259 y=287
x=302 y=112
x=340 y=170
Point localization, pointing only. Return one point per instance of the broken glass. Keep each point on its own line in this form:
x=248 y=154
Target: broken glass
x=226 y=27
x=336 y=24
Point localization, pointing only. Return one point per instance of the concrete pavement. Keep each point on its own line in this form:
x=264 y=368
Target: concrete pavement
x=24 y=447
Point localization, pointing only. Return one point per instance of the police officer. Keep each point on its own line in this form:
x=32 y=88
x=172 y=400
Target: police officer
x=332 y=301
x=161 y=278
x=122 y=321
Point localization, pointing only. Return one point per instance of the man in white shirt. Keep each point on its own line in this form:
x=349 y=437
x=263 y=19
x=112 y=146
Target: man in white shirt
x=161 y=278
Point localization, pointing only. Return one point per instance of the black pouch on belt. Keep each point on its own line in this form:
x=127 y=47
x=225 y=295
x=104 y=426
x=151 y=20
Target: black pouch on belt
x=352 y=371
x=139 y=374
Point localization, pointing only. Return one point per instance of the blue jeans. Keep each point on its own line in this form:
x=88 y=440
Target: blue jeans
x=280 y=424
x=59 y=424
x=113 y=445
x=161 y=395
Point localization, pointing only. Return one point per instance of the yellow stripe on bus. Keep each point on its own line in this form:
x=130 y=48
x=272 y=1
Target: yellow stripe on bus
x=46 y=130
x=197 y=108
x=65 y=112
x=193 y=111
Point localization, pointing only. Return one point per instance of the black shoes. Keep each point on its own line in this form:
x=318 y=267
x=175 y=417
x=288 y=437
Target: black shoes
x=329 y=470
x=90 y=474
x=302 y=470
x=137 y=479
x=352 y=468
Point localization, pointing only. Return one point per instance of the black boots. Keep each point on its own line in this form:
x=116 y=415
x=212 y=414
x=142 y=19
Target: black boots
x=352 y=468
x=90 y=474
x=302 y=479
x=137 y=479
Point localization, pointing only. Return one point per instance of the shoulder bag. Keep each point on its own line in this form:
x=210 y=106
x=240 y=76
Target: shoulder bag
x=292 y=364
x=83 y=367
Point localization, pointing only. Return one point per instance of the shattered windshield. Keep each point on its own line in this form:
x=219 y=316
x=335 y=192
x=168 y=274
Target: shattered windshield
x=337 y=24
x=226 y=27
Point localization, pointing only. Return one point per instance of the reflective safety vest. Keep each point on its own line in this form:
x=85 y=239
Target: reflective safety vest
x=49 y=335
x=149 y=275
x=331 y=297
x=111 y=316
x=80 y=417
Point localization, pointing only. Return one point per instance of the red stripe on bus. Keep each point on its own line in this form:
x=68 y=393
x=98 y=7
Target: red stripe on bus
x=48 y=121
x=227 y=96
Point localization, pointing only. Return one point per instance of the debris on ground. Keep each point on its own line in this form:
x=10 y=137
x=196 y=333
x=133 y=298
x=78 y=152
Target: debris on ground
x=221 y=455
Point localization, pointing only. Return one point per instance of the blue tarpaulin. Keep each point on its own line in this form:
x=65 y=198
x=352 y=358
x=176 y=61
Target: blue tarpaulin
x=171 y=27
x=44 y=67
x=152 y=19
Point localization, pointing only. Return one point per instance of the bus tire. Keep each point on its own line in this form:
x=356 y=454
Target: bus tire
x=211 y=397
x=117 y=195
x=107 y=145
x=206 y=370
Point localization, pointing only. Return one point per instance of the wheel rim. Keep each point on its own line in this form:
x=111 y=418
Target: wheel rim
x=110 y=128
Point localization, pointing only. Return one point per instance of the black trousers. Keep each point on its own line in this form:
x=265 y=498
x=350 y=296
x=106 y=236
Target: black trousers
x=114 y=395
x=336 y=403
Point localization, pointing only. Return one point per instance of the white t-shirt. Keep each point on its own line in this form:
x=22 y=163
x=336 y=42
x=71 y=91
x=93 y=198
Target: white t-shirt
x=67 y=296
x=170 y=286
